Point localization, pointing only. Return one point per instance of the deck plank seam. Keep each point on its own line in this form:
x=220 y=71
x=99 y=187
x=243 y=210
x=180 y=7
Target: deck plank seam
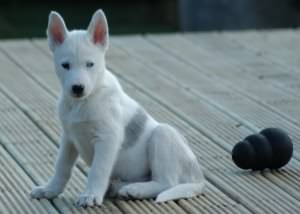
x=3 y=145
x=33 y=77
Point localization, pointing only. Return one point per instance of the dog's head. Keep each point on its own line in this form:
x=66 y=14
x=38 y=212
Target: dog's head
x=78 y=54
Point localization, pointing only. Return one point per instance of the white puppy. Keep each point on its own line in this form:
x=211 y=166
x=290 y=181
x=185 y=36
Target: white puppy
x=130 y=154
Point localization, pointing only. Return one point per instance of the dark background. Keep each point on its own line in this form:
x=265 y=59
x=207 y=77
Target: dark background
x=25 y=18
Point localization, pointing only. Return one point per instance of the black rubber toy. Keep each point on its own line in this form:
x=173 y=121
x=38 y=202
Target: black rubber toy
x=272 y=148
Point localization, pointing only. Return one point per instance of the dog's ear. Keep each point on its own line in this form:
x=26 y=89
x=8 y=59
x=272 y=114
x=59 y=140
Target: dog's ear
x=98 y=29
x=56 y=30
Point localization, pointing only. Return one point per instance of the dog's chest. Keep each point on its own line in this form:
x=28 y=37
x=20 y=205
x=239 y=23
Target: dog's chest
x=82 y=135
x=81 y=125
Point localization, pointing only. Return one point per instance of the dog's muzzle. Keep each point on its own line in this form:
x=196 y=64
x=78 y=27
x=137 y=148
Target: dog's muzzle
x=78 y=90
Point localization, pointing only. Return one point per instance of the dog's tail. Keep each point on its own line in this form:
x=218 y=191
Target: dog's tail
x=181 y=191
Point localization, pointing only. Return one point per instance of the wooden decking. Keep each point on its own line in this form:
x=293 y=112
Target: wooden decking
x=216 y=88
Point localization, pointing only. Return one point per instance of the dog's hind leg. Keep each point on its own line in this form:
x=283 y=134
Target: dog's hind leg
x=142 y=190
x=114 y=187
x=171 y=160
x=171 y=163
x=174 y=164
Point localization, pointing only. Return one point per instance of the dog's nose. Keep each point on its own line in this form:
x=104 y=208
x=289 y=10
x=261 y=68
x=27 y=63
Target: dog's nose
x=78 y=90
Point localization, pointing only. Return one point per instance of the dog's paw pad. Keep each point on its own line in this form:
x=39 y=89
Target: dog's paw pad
x=89 y=200
x=43 y=192
x=130 y=191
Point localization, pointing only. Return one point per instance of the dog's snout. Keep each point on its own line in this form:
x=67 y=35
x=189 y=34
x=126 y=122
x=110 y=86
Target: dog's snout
x=78 y=90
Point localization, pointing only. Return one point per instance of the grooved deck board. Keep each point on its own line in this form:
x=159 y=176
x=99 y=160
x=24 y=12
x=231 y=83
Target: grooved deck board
x=215 y=88
x=14 y=184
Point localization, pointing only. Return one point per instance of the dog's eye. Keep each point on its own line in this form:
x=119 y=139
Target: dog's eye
x=66 y=65
x=89 y=64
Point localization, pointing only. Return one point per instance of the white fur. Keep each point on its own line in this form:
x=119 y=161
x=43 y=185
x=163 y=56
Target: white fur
x=159 y=164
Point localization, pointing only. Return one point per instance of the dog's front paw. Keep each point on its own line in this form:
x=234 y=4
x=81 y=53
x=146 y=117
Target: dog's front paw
x=131 y=191
x=44 y=192
x=89 y=200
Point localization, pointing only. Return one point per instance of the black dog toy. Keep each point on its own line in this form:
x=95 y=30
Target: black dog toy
x=272 y=148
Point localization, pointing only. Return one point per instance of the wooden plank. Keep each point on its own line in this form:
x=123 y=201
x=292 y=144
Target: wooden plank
x=125 y=64
x=14 y=187
x=163 y=115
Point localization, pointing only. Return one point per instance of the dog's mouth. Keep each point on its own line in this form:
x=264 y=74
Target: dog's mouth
x=78 y=96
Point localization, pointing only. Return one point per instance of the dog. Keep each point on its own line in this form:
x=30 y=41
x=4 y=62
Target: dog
x=129 y=153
